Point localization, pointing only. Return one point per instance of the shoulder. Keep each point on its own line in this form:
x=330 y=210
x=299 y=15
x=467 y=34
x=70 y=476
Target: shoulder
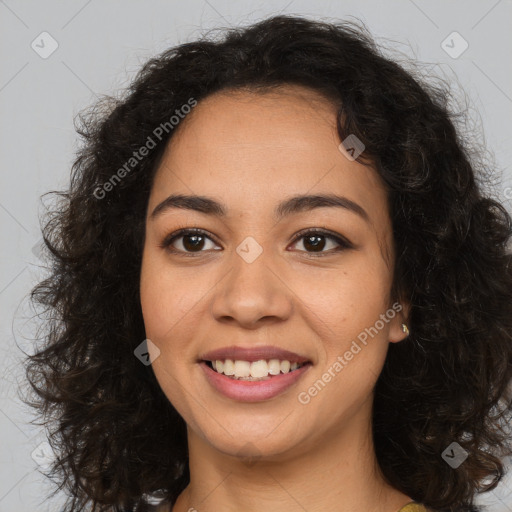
x=414 y=507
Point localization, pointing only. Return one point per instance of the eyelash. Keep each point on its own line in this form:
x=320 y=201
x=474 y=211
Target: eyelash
x=343 y=243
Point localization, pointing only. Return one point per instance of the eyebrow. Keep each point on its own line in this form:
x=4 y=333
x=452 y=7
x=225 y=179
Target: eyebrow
x=293 y=205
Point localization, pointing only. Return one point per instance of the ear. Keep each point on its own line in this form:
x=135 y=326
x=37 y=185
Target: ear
x=396 y=333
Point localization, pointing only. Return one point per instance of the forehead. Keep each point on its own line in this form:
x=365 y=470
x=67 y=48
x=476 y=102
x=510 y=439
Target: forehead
x=250 y=149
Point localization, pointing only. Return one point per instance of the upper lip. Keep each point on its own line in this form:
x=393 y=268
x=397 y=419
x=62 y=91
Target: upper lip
x=253 y=354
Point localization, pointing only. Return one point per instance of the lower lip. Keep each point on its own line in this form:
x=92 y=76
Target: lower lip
x=255 y=391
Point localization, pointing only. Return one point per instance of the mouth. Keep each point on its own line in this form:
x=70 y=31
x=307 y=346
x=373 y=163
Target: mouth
x=254 y=371
x=243 y=386
x=253 y=374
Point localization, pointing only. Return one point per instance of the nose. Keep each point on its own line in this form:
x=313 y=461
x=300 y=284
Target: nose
x=252 y=293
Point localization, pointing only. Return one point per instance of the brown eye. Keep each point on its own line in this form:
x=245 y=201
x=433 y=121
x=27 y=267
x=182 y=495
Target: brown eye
x=190 y=240
x=317 y=241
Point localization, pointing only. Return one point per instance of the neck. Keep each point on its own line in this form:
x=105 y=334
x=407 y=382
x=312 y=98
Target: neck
x=338 y=472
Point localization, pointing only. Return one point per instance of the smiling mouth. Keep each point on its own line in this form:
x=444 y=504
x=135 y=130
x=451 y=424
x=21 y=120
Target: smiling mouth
x=254 y=371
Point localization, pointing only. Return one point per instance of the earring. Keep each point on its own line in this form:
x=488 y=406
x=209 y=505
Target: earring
x=405 y=329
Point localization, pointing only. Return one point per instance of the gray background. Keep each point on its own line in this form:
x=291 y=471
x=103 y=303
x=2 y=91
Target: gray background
x=100 y=47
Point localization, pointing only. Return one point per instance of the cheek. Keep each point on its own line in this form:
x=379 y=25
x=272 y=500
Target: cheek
x=161 y=316
x=160 y=296
x=156 y=297
x=151 y=302
x=172 y=303
x=349 y=299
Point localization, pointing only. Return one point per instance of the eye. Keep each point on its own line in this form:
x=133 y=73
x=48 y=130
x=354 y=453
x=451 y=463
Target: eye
x=195 y=240
x=314 y=241
x=192 y=240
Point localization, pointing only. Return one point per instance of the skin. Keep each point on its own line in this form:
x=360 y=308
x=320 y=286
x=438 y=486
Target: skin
x=250 y=151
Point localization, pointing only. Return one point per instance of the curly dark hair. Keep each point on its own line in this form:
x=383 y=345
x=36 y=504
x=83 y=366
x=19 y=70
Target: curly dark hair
x=116 y=436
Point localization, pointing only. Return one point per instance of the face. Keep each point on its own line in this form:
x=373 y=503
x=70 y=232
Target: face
x=314 y=280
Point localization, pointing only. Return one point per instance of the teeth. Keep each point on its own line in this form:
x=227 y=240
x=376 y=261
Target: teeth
x=257 y=370
x=243 y=369
x=229 y=367
x=274 y=367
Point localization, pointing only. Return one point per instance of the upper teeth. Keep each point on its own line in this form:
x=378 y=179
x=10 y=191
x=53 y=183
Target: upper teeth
x=256 y=369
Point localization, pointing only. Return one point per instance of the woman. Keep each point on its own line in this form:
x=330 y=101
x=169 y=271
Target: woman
x=277 y=284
